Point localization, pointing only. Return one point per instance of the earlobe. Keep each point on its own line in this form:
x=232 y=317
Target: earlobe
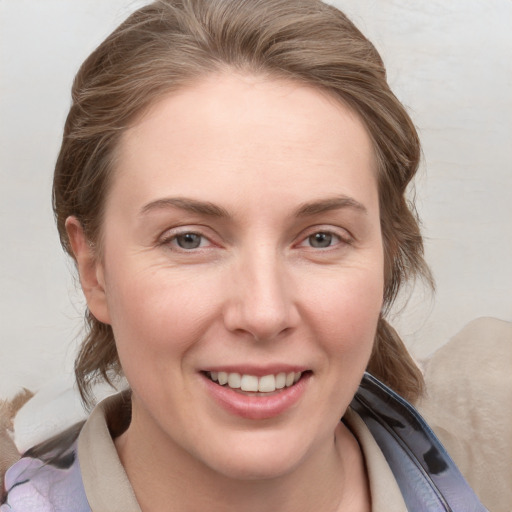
x=90 y=270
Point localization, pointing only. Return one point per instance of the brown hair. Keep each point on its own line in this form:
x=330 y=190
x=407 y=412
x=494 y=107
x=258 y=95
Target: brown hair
x=170 y=43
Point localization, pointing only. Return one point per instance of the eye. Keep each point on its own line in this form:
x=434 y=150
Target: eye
x=326 y=239
x=323 y=239
x=187 y=241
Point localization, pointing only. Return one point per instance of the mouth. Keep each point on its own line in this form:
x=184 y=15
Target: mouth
x=257 y=397
x=254 y=385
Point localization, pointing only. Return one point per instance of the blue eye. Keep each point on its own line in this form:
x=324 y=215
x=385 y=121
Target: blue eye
x=188 y=240
x=322 y=239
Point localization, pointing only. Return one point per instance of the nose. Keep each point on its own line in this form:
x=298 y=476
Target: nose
x=260 y=297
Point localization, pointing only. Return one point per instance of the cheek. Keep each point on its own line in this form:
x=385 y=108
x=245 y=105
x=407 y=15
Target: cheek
x=154 y=314
x=346 y=310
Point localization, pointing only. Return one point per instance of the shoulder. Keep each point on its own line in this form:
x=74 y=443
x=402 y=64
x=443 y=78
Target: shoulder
x=469 y=406
x=47 y=478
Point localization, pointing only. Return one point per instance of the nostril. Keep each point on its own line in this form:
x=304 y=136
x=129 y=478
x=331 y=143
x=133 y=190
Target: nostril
x=260 y=303
x=259 y=324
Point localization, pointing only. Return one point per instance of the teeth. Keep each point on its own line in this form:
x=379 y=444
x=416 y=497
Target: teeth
x=248 y=383
x=251 y=383
x=234 y=380
x=267 y=384
x=280 y=380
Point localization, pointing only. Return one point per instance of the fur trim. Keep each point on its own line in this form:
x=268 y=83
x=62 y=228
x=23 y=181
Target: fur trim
x=8 y=408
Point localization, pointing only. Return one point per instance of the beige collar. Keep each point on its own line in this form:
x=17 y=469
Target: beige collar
x=384 y=490
x=107 y=486
x=105 y=481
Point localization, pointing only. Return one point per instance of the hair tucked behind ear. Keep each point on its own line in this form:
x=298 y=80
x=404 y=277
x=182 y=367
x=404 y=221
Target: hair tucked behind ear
x=169 y=44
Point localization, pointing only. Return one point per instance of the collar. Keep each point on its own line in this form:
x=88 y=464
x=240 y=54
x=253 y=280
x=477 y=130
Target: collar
x=107 y=486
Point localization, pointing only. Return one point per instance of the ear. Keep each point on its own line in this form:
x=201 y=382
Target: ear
x=90 y=270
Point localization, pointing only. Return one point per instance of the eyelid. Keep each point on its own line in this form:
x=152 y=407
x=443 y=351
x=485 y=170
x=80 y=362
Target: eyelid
x=169 y=235
x=342 y=234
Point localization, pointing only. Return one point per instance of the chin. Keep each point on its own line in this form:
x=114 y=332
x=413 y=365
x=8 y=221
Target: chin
x=255 y=468
x=260 y=457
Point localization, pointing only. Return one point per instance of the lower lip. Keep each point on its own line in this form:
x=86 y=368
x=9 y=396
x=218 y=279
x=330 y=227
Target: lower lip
x=257 y=407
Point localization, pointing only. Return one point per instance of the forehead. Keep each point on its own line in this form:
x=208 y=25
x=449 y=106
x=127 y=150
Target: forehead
x=245 y=131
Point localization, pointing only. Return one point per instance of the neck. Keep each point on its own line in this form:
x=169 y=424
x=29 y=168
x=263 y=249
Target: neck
x=330 y=479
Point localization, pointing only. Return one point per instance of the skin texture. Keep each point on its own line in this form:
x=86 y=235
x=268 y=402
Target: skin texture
x=279 y=162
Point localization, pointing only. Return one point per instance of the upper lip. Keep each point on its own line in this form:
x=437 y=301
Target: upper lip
x=257 y=371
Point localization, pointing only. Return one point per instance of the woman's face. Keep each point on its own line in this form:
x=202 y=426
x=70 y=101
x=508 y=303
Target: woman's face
x=242 y=241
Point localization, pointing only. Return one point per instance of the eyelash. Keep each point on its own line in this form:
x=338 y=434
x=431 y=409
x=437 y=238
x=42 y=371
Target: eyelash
x=340 y=237
x=328 y=235
x=172 y=240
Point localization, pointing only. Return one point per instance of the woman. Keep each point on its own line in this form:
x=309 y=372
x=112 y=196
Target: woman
x=231 y=185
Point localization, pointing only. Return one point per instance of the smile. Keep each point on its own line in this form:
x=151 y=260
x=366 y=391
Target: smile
x=256 y=397
x=252 y=383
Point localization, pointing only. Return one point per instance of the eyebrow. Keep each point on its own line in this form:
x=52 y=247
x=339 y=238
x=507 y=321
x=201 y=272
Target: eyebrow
x=212 y=210
x=190 y=205
x=329 y=204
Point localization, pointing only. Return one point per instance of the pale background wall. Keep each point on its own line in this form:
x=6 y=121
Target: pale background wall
x=450 y=62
